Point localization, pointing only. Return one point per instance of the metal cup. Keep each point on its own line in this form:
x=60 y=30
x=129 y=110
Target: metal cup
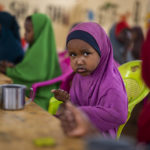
x=13 y=96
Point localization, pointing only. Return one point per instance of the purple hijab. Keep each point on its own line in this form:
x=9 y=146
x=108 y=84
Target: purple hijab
x=101 y=95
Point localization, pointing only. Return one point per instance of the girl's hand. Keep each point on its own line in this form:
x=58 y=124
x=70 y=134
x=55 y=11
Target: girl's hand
x=4 y=65
x=3 y=69
x=61 y=95
x=75 y=123
x=9 y=64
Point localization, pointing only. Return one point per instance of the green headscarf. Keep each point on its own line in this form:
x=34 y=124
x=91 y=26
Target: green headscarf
x=40 y=62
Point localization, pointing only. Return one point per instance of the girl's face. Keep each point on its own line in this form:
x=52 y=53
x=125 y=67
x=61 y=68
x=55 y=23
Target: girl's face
x=84 y=58
x=29 y=33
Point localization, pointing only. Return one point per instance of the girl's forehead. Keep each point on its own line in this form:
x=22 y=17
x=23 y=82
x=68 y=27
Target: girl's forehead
x=80 y=46
x=77 y=43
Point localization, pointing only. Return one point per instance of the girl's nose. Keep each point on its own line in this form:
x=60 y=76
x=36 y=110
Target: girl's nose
x=80 y=61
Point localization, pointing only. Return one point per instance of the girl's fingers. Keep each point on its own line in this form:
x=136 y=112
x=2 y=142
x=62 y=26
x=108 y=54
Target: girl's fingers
x=76 y=132
x=72 y=108
x=69 y=115
x=61 y=95
x=66 y=127
x=63 y=118
x=73 y=125
x=53 y=90
x=67 y=121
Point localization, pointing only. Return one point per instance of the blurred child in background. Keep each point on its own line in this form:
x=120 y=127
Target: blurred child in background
x=121 y=39
x=138 y=39
x=40 y=62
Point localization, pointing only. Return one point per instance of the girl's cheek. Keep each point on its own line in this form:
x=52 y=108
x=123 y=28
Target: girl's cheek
x=72 y=64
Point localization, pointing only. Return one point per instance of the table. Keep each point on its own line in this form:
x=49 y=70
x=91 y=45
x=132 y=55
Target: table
x=19 y=128
x=4 y=79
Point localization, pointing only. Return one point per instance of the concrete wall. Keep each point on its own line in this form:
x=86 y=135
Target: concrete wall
x=66 y=12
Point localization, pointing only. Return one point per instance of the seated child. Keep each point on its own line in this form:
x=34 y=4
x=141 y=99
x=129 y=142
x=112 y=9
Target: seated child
x=41 y=61
x=97 y=88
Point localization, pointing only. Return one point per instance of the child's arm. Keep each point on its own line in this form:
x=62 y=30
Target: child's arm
x=75 y=123
x=4 y=65
x=110 y=113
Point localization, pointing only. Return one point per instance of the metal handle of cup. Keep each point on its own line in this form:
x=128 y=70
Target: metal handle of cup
x=30 y=99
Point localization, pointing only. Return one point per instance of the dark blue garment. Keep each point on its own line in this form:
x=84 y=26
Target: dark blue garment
x=10 y=47
x=10 y=22
x=10 y=43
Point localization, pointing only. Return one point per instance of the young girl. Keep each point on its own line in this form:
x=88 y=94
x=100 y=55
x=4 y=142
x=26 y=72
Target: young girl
x=40 y=62
x=97 y=87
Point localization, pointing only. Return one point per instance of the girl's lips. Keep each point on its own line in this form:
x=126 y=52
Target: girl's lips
x=81 y=70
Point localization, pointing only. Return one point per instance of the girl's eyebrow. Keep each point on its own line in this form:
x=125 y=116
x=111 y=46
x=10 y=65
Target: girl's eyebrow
x=85 y=49
x=71 y=51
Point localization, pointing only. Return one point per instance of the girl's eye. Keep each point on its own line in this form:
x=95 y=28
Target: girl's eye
x=72 y=55
x=86 y=53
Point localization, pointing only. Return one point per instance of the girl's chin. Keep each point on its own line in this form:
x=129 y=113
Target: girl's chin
x=83 y=73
